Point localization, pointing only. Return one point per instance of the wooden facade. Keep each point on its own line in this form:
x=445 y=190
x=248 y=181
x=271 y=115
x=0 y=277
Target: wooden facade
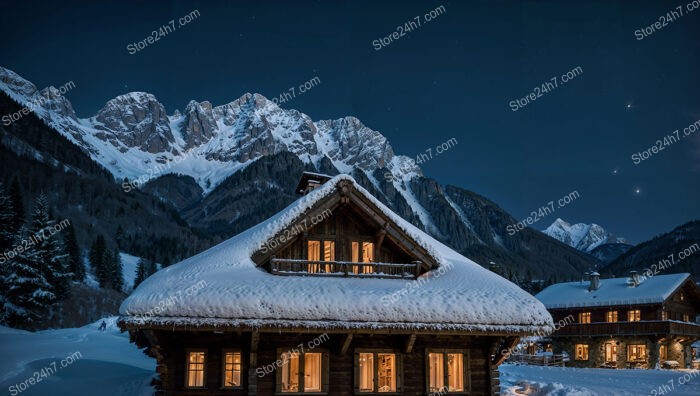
x=344 y=235
x=631 y=336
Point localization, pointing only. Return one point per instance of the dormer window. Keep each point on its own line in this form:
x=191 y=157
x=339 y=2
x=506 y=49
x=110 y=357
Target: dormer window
x=320 y=250
x=362 y=252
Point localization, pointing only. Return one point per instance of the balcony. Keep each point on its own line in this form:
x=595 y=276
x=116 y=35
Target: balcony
x=653 y=327
x=344 y=269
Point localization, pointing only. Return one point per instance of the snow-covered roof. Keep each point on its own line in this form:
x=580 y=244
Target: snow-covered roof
x=458 y=295
x=613 y=291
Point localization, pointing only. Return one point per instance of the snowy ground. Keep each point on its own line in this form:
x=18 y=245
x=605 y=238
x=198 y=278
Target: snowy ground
x=107 y=364
x=559 y=381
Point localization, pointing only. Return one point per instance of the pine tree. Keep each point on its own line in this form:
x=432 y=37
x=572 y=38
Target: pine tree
x=7 y=232
x=144 y=269
x=28 y=294
x=97 y=259
x=116 y=279
x=48 y=249
x=75 y=257
x=18 y=211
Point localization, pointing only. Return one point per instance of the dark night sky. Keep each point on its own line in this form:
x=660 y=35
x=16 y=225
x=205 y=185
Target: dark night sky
x=452 y=77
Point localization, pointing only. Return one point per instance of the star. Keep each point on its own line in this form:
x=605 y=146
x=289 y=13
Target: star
x=615 y=171
x=638 y=191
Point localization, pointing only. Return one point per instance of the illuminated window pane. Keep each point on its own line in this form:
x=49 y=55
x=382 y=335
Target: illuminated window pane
x=366 y=363
x=195 y=369
x=386 y=372
x=314 y=254
x=232 y=369
x=368 y=256
x=637 y=353
x=290 y=372
x=312 y=372
x=663 y=353
x=437 y=372
x=611 y=316
x=584 y=317
x=610 y=352
x=634 y=315
x=581 y=352
x=455 y=372
x=355 y=256
x=328 y=254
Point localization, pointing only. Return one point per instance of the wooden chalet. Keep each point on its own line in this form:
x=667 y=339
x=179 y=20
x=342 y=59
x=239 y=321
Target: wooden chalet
x=334 y=295
x=625 y=322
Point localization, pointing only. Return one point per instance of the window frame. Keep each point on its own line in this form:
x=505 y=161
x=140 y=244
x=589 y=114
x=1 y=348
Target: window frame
x=223 y=368
x=612 y=314
x=466 y=367
x=322 y=258
x=646 y=353
x=585 y=314
x=637 y=315
x=375 y=352
x=188 y=351
x=325 y=359
x=587 y=350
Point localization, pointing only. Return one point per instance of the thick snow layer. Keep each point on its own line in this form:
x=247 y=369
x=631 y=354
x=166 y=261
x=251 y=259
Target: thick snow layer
x=560 y=381
x=222 y=286
x=614 y=291
x=107 y=365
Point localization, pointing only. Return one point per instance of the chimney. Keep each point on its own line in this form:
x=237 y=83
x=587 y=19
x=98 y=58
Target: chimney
x=595 y=281
x=310 y=181
x=634 y=275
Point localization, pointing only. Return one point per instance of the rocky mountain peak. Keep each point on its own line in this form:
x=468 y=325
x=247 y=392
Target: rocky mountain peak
x=584 y=237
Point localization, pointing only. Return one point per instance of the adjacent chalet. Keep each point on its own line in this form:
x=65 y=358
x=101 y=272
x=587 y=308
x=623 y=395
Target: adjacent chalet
x=334 y=295
x=629 y=322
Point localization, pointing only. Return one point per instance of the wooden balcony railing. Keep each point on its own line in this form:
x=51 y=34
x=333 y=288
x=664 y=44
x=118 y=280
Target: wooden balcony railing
x=538 y=360
x=344 y=269
x=650 y=327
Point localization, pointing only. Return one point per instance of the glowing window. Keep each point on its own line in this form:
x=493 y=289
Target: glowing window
x=584 y=317
x=196 y=361
x=301 y=373
x=637 y=353
x=446 y=372
x=581 y=351
x=376 y=372
x=232 y=369
x=611 y=316
x=634 y=315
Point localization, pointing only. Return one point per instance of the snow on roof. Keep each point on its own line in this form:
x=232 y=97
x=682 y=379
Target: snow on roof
x=613 y=291
x=458 y=295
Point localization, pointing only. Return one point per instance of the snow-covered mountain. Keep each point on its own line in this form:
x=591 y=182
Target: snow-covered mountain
x=584 y=237
x=221 y=169
x=134 y=137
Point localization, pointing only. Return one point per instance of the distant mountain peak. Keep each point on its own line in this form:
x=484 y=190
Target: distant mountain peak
x=581 y=236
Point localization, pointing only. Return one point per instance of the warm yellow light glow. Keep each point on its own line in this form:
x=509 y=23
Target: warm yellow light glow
x=314 y=254
x=312 y=372
x=637 y=353
x=584 y=317
x=436 y=375
x=455 y=372
x=611 y=317
x=232 y=369
x=634 y=315
x=290 y=372
x=581 y=352
x=386 y=372
x=366 y=380
x=195 y=369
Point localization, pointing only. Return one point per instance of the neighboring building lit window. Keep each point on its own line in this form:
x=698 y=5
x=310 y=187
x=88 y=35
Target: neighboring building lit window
x=664 y=315
x=637 y=353
x=682 y=296
x=584 y=317
x=611 y=316
x=610 y=352
x=362 y=252
x=446 y=371
x=302 y=372
x=663 y=352
x=232 y=369
x=196 y=362
x=634 y=315
x=581 y=351
x=376 y=372
x=686 y=318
